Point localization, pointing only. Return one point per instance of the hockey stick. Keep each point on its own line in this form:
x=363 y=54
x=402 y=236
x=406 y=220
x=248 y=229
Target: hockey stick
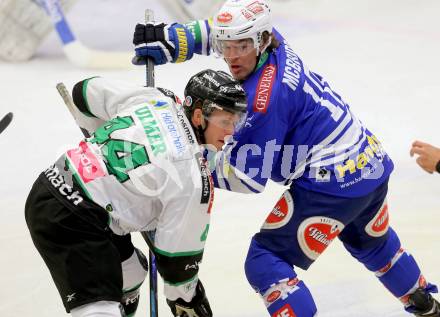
x=149 y=80
x=5 y=121
x=79 y=54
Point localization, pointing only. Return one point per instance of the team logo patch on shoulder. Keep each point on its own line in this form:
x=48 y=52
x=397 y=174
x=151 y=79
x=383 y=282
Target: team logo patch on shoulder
x=285 y=311
x=281 y=213
x=378 y=226
x=264 y=88
x=316 y=233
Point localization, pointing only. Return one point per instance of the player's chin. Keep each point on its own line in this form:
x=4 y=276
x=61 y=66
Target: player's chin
x=219 y=144
x=236 y=71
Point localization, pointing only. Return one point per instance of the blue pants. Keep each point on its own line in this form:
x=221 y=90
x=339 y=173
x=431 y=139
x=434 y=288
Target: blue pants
x=299 y=229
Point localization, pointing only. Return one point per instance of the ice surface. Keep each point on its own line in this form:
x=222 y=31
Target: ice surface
x=381 y=56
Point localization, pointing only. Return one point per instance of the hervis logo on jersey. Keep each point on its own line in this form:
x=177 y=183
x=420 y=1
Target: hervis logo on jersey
x=316 y=233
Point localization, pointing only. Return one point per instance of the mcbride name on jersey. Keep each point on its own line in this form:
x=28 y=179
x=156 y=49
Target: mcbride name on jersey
x=299 y=130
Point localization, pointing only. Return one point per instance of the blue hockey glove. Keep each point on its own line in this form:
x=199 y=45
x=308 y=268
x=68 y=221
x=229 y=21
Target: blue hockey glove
x=163 y=43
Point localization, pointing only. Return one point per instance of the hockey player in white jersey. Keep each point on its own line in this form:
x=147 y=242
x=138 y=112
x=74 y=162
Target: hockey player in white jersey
x=142 y=169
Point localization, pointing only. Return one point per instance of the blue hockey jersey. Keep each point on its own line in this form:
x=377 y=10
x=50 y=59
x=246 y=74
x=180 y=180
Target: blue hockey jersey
x=299 y=131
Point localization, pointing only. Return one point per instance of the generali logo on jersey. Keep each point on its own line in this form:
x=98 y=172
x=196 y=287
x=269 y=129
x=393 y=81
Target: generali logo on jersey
x=264 y=88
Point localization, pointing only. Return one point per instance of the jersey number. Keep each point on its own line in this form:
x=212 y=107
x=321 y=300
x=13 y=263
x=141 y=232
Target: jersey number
x=120 y=156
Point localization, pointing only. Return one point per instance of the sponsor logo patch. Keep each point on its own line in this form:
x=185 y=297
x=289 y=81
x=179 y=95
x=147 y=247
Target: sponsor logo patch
x=57 y=180
x=86 y=163
x=281 y=213
x=207 y=185
x=280 y=290
x=264 y=89
x=378 y=226
x=158 y=105
x=188 y=101
x=316 y=233
x=255 y=7
x=224 y=17
x=285 y=311
x=273 y=296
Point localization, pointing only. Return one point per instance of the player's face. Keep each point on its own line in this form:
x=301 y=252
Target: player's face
x=241 y=57
x=221 y=124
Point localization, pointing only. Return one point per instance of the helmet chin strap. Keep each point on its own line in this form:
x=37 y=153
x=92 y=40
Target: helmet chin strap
x=199 y=131
x=261 y=52
x=201 y=134
x=257 y=62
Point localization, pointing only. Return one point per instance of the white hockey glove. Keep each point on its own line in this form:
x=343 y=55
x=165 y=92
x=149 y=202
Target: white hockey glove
x=198 y=307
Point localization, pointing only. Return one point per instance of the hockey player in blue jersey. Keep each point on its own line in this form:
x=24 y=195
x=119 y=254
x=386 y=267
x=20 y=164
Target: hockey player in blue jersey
x=301 y=133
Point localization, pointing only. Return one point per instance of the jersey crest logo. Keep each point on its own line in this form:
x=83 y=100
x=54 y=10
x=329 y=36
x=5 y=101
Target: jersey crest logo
x=281 y=213
x=316 y=233
x=378 y=226
x=264 y=88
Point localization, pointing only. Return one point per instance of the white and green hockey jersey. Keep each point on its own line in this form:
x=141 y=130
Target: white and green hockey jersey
x=143 y=165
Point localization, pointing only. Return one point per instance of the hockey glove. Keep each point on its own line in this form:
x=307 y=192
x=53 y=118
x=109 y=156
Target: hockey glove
x=163 y=43
x=198 y=307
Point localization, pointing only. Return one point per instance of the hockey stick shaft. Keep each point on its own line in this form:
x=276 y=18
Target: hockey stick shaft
x=75 y=51
x=149 y=81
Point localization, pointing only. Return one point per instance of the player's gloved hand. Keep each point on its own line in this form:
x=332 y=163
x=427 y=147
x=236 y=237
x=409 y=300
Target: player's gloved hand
x=163 y=43
x=198 y=307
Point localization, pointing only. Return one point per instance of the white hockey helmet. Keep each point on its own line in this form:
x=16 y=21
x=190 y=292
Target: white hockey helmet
x=241 y=19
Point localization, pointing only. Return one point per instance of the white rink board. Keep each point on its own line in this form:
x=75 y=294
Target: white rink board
x=381 y=56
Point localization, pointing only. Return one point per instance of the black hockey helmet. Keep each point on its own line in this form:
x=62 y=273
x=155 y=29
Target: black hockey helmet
x=209 y=90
